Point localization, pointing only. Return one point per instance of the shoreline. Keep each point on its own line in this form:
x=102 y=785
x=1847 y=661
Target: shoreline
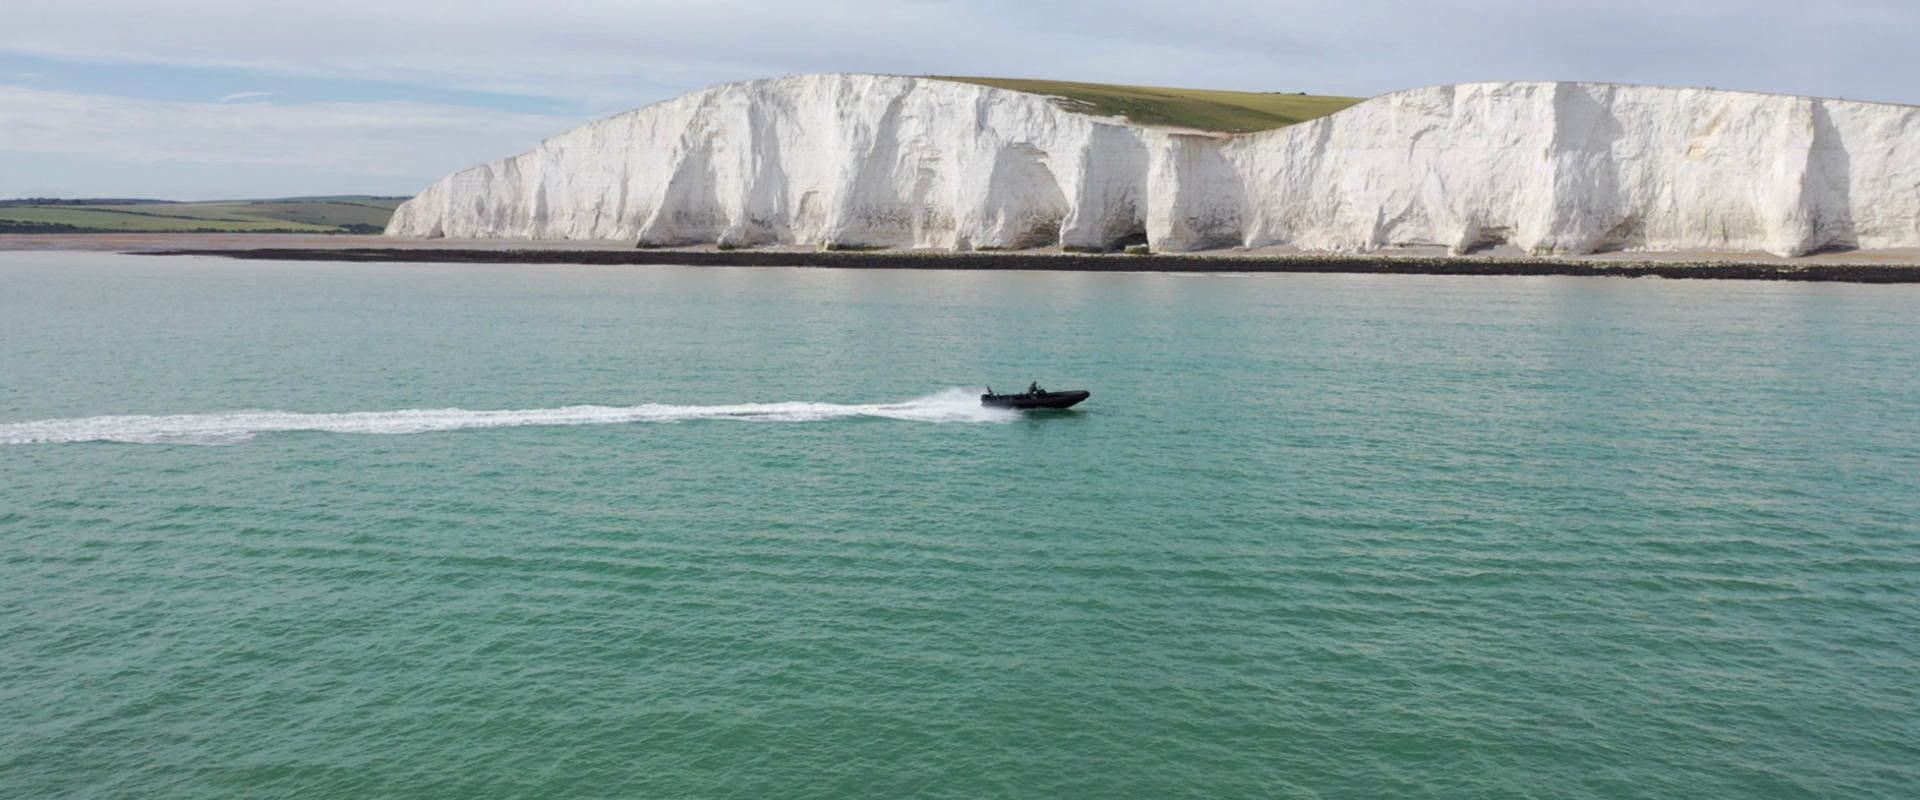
x=1853 y=266
x=1627 y=267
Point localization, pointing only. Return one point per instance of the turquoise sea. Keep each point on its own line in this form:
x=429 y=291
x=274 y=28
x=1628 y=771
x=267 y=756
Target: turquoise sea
x=312 y=530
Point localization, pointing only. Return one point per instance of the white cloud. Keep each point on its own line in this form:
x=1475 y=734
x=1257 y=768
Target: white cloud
x=415 y=142
x=613 y=54
x=243 y=96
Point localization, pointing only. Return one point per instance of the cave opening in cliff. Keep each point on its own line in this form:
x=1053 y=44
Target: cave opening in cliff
x=1044 y=233
x=1488 y=239
x=1134 y=238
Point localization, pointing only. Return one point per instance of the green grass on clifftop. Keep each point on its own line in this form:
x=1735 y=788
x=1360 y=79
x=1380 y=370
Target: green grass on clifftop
x=300 y=215
x=1202 y=109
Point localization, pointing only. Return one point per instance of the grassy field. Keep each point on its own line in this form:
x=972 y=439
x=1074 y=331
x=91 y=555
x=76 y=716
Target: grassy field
x=1202 y=109
x=300 y=215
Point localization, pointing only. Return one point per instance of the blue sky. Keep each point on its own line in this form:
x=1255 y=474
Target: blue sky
x=203 y=99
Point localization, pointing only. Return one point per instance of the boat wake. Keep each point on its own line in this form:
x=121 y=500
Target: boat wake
x=954 y=405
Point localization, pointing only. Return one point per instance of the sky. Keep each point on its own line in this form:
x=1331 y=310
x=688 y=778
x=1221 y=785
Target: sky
x=227 y=99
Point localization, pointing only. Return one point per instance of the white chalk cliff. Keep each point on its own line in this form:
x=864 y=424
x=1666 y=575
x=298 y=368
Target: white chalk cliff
x=877 y=161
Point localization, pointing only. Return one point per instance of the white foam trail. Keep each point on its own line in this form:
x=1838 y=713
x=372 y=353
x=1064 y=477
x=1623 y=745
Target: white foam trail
x=951 y=405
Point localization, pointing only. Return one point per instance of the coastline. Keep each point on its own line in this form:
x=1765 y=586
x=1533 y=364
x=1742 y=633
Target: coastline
x=1844 y=266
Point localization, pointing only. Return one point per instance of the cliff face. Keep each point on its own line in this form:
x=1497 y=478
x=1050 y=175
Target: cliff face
x=873 y=161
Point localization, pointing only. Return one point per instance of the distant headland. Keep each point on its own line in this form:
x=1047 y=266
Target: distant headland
x=341 y=214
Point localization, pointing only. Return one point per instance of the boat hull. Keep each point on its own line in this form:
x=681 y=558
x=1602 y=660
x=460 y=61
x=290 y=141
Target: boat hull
x=1031 y=401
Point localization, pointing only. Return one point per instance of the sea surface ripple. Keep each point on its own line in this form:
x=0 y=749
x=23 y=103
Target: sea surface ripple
x=1313 y=536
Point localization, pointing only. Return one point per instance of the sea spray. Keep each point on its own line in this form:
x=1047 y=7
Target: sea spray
x=953 y=405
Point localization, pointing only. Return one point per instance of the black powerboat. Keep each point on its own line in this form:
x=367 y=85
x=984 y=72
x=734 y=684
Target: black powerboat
x=1033 y=397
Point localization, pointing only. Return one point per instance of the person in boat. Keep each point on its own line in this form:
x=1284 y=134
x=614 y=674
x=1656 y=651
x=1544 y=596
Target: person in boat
x=1033 y=388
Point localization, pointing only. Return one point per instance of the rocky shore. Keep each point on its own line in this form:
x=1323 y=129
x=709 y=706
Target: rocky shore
x=1771 y=270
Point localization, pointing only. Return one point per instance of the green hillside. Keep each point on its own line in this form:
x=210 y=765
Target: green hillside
x=1202 y=109
x=351 y=214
